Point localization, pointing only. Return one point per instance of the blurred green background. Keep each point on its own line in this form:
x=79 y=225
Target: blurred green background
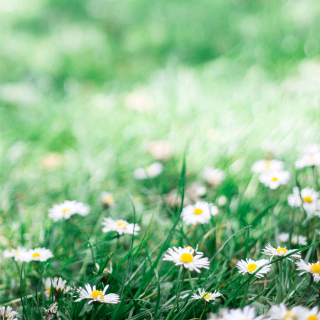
x=86 y=85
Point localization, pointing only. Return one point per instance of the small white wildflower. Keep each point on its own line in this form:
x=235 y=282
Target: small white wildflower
x=284 y=237
x=19 y=254
x=273 y=179
x=39 y=254
x=208 y=296
x=280 y=312
x=250 y=266
x=308 y=199
x=201 y=212
x=311 y=268
x=263 y=166
x=107 y=199
x=280 y=252
x=120 y=226
x=148 y=172
x=214 y=176
x=95 y=295
x=68 y=208
x=187 y=257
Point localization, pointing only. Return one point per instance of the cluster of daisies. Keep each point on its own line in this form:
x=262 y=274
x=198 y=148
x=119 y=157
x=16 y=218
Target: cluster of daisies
x=272 y=175
x=28 y=255
x=276 y=312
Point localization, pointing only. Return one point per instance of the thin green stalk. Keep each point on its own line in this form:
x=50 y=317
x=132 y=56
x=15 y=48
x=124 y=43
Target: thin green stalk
x=190 y=279
x=205 y=305
x=308 y=287
x=245 y=296
x=178 y=295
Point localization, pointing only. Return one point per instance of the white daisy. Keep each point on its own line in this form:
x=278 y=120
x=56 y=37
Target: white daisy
x=58 y=284
x=247 y=313
x=208 y=296
x=281 y=312
x=160 y=150
x=306 y=314
x=310 y=157
x=148 y=172
x=187 y=257
x=18 y=254
x=250 y=266
x=284 y=237
x=39 y=254
x=105 y=270
x=308 y=199
x=273 y=179
x=120 y=226
x=97 y=295
x=311 y=268
x=263 y=166
x=214 y=176
x=200 y=212
x=68 y=208
x=8 y=313
x=280 y=252
x=107 y=199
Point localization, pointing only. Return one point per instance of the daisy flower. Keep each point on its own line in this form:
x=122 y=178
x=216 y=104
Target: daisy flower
x=308 y=199
x=58 y=284
x=9 y=313
x=107 y=199
x=39 y=254
x=160 y=150
x=68 y=208
x=312 y=268
x=284 y=237
x=281 y=312
x=201 y=213
x=269 y=250
x=105 y=270
x=312 y=314
x=187 y=257
x=120 y=226
x=310 y=157
x=18 y=254
x=95 y=295
x=263 y=166
x=247 y=313
x=148 y=172
x=213 y=176
x=273 y=179
x=208 y=296
x=250 y=266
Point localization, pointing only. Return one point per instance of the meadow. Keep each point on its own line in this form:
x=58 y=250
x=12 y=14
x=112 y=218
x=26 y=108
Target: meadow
x=151 y=117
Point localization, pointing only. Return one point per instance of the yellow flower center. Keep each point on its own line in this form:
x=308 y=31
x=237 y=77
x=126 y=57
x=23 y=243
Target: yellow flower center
x=307 y=199
x=274 y=178
x=48 y=290
x=207 y=296
x=197 y=211
x=315 y=268
x=314 y=317
x=35 y=255
x=252 y=267
x=267 y=163
x=109 y=199
x=66 y=210
x=186 y=258
x=289 y=315
x=122 y=224
x=95 y=294
x=282 y=251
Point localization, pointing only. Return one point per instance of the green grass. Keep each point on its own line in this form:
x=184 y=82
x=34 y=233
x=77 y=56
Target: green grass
x=222 y=77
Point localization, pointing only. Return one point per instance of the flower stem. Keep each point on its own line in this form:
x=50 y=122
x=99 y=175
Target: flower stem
x=190 y=280
x=308 y=287
x=178 y=295
x=244 y=296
